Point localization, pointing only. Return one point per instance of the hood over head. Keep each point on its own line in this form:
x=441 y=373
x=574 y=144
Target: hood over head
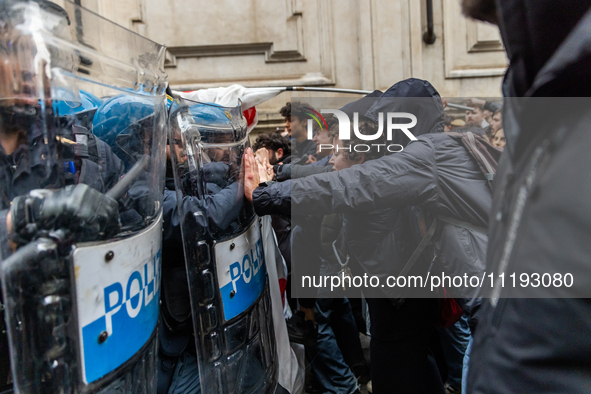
x=362 y=105
x=414 y=96
x=548 y=43
x=532 y=31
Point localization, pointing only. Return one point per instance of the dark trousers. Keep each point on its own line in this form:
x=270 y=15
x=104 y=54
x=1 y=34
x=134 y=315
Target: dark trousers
x=344 y=327
x=338 y=347
x=401 y=361
x=305 y=257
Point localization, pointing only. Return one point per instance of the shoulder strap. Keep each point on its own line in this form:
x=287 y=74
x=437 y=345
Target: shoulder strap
x=429 y=234
x=421 y=247
x=486 y=155
x=490 y=170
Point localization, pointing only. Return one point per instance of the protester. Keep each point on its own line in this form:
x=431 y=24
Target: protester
x=368 y=238
x=321 y=137
x=498 y=139
x=475 y=117
x=541 y=207
x=273 y=147
x=332 y=344
x=302 y=147
x=399 y=180
x=284 y=172
x=488 y=108
x=497 y=120
x=285 y=111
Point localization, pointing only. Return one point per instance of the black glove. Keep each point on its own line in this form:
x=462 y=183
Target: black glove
x=282 y=172
x=81 y=210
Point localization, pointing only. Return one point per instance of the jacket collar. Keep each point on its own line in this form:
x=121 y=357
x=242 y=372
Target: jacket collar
x=565 y=74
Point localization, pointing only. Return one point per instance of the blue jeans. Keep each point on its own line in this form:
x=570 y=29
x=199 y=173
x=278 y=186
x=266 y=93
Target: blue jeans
x=454 y=341
x=466 y=363
x=335 y=324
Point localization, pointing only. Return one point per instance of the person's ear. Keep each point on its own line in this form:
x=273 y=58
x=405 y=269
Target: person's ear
x=279 y=153
x=360 y=159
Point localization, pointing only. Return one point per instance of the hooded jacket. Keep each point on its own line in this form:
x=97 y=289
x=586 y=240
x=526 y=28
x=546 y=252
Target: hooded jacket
x=541 y=207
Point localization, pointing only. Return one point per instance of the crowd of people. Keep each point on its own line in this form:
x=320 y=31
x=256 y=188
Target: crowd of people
x=536 y=215
x=487 y=116
x=459 y=195
x=410 y=348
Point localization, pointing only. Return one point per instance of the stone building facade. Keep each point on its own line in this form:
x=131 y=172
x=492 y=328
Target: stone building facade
x=354 y=44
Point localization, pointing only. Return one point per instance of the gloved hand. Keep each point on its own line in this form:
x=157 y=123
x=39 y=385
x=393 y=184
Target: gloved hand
x=80 y=209
x=282 y=172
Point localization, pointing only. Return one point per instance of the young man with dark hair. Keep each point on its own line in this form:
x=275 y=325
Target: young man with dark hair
x=277 y=147
x=323 y=140
x=302 y=147
x=285 y=111
x=497 y=120
x=489 y=110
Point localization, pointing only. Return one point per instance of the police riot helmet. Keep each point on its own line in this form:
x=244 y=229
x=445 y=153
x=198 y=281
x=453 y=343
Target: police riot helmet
x=122 y=122
x=86 y=101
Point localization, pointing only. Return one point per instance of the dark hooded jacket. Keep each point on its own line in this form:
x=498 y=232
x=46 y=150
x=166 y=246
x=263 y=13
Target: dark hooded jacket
x=435 y=173
x=541 y=207
x=380 y=241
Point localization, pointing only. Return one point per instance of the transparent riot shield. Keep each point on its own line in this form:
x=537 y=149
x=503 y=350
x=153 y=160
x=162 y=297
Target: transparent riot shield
x=82 y=160
x=221 y=234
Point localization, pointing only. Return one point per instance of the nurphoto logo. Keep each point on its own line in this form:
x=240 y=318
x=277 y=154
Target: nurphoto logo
x=392 y=124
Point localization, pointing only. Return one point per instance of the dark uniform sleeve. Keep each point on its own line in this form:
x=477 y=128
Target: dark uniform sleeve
x=171 y=228
x=213 y=211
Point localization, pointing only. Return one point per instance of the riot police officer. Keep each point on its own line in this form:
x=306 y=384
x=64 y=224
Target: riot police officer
x=80 y=316
x=227 y=290
x=219 y=196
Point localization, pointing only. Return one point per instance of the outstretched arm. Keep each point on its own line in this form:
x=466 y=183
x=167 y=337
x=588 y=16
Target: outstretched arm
x=399 y=179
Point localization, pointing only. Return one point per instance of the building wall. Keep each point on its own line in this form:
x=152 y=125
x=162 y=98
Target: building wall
x=355 y=44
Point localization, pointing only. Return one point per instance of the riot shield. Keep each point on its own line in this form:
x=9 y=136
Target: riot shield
x=82 y=160
x=226 y=271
